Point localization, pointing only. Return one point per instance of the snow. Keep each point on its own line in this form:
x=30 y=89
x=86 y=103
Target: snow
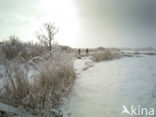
x=6 y=108
x=83 y=64
x=101 y=90
x=14 y=112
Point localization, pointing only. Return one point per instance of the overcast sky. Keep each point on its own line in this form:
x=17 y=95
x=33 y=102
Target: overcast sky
x=83 y=23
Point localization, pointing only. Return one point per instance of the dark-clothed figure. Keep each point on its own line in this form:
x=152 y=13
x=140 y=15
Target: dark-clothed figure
x=79 y=51
x=87 y=51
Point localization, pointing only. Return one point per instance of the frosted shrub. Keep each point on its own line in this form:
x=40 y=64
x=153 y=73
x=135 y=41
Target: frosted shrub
x=16 y=86
x=12 y=47
x=54 y=81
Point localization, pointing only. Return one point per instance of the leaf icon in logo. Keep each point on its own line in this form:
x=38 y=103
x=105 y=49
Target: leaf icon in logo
x=125 y=110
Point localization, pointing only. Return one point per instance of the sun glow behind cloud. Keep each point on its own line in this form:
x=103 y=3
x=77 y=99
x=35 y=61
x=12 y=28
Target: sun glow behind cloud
x=24 y=19
x=83 y=23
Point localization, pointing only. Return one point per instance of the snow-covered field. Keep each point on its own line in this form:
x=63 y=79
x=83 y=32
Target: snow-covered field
x=101 y=90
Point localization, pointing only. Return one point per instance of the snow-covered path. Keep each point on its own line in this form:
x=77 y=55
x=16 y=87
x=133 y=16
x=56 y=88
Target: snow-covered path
x=101 y=90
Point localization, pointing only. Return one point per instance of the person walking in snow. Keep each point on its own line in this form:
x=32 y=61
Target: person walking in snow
x=87 y=51
x=79 y=51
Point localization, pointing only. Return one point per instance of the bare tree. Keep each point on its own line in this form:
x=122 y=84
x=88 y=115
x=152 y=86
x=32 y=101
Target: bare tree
x=46 y=34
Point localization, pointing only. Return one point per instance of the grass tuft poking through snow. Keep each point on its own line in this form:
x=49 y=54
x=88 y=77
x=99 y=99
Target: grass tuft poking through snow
x=105 y=55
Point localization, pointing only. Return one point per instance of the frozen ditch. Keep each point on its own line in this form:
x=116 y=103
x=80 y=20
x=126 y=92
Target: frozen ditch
x=100 y=91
